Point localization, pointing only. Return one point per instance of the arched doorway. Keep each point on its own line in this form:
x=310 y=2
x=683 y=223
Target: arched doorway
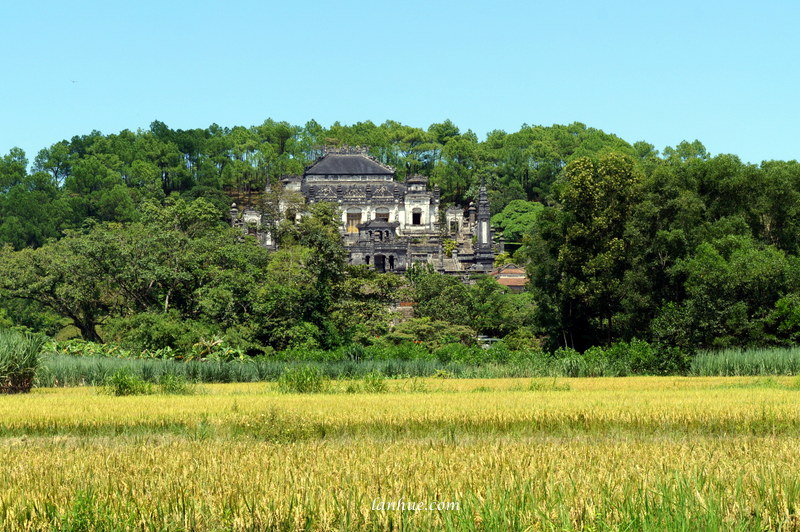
x=380 y=263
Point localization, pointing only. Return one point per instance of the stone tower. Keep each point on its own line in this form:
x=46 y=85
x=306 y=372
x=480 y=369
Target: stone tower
x=484 y=257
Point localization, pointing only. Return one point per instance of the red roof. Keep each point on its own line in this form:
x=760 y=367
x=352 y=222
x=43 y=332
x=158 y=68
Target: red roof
x=508 y=269
x=513 y=281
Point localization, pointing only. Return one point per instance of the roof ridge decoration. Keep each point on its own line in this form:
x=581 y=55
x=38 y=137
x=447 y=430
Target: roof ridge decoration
x=344 y=149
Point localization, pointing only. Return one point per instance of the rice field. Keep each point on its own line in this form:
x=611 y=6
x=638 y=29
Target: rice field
x=637 y=453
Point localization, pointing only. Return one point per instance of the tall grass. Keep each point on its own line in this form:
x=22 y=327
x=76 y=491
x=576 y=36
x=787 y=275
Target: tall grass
x=744 y=362
x=63 y=370
x=305 y=379
x=87 y=371
x=19 y=359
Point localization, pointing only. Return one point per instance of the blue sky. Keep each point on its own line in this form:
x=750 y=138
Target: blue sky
x=725 y=73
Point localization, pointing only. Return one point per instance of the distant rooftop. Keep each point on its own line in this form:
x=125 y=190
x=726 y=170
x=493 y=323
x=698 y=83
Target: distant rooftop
x=348 y=162
x=513 y=281
x=511 y=276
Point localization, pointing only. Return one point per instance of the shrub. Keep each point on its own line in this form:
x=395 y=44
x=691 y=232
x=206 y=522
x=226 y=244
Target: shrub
x=303 y=354
x=303 y=335
x=642 y=358
x=523 y=339
x=172 y=384
x=499 y=353
x=19 y=360
x=429 y=333
x=600 y=364
x=156 y=330
x=304 y=379
x=354 y=352
x=530 y=357
x=215 y=348
x=674 y=360
x=636 y=357
x=82 y=348
x=123 y=382
x=458 y=353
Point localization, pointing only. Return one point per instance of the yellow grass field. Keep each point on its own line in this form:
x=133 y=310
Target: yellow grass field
x=657 y=453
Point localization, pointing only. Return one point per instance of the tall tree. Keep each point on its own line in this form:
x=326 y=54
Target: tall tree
x=579 y=253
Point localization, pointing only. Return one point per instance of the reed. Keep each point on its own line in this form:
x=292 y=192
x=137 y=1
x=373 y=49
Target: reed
x=19 y=360
x=753 y=361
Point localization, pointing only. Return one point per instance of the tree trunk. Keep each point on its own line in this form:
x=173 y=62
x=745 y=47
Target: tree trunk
x=89 y=332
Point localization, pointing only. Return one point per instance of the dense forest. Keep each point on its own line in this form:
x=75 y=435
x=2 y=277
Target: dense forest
x=123 y=238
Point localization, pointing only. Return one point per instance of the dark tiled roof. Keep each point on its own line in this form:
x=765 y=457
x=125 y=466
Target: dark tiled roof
x=340 y=164
x=417 y=179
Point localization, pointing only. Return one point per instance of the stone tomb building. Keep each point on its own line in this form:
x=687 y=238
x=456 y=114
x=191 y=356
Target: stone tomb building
x=387 y=224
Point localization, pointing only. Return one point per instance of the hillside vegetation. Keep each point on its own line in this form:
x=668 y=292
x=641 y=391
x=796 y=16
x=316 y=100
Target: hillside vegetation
x=123 y=238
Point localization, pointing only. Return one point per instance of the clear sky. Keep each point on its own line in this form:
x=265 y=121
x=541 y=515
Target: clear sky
x=725 y=73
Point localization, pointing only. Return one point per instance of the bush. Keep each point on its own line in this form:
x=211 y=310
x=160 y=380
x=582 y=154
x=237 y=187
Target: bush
x=156 y=330
x=303 y=354
x=457 y=353
x=598 y=364
x=428 y=333
x=215 y=348
x=523 y=339
x=642 y=358
x=354 y=352
x=82 y=348
x=530 y=357
x=19 y=360
x=304 y=379
x=123 y=382
x=636 y=357
x=499 y=353
x=172 y=384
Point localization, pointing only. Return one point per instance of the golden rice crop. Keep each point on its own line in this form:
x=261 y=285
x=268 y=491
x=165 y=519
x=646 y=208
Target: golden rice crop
x=638 y=453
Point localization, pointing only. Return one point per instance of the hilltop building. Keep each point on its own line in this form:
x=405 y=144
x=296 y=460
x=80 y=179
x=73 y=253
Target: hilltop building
x=387 y=224
x=511 y=276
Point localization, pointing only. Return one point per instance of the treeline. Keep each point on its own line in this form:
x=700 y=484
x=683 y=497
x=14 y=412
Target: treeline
x=106 y=177
x=690 y=250
x=124 y=237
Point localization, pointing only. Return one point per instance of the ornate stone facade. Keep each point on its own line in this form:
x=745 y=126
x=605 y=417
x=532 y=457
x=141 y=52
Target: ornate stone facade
x=387 y=224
